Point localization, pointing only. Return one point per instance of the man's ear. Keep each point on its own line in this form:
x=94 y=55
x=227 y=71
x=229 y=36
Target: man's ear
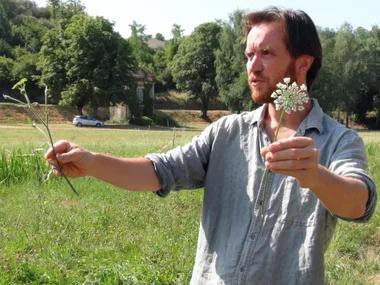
x=303 y=64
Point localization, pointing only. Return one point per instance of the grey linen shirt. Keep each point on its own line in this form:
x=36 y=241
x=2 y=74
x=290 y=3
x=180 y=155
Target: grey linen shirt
x=236 y=245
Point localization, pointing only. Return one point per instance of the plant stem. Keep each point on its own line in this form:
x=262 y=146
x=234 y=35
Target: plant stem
x=45 y=123
x=279 y=124
x=266 y=174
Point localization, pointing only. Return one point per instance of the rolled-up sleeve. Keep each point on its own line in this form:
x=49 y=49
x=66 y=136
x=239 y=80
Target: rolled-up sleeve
x=350 y=160
x=184 y=167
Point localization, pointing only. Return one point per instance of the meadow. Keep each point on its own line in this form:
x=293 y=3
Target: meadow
x=49 y=235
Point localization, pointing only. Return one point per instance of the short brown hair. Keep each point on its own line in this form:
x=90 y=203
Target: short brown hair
x=301 y=36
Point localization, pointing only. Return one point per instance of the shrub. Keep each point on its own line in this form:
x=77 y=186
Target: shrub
x=141 y=121
x=164 y=121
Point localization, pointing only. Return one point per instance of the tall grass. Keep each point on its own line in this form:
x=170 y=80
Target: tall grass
x=17 y=166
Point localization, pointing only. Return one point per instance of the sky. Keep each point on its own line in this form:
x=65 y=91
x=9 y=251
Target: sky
x=159 y=16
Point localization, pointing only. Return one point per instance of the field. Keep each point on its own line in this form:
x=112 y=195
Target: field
x=106 y=235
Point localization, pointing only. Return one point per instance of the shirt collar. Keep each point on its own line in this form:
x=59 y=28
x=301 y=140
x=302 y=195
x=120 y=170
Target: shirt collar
x=314 y=120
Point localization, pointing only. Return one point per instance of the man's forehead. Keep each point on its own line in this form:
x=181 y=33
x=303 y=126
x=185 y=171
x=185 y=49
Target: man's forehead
x=265 y=34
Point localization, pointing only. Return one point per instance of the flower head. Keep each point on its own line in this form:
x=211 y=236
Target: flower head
x=290 y=97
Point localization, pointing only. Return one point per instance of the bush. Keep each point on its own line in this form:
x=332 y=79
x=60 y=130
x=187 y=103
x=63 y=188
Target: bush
x=164 y=121
x=141 y=121
x=155 y=120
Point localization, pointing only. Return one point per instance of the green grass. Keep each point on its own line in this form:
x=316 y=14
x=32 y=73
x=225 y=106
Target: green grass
x=354 y=254
x=106 y=235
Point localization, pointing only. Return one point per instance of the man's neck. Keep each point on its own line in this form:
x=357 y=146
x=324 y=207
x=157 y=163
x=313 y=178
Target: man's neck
x=290 y=122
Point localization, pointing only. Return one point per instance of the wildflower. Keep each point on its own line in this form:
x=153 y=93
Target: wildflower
x=288 y=98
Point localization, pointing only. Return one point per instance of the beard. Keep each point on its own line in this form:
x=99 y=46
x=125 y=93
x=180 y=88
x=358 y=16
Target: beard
x=262 y=94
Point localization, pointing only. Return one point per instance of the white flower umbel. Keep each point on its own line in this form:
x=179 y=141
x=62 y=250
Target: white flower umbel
x=288 y=98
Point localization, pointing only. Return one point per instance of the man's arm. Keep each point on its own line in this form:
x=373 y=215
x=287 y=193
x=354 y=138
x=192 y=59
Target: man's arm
x=343 y=196
x=137 y=174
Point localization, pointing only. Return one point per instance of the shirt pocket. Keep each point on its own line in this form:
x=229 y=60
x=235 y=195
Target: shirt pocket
x=298 y=205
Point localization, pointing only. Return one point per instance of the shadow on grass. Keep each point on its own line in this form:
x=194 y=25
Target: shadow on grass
x=146 y=128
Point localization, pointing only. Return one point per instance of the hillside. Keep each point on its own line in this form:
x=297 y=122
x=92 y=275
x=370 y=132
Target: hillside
x=176 y=100
x=12 y=114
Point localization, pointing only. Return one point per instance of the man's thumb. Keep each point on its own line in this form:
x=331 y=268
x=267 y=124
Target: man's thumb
x=64 y=157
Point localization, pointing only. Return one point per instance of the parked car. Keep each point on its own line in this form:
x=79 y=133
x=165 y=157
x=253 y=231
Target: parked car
x=87 y=121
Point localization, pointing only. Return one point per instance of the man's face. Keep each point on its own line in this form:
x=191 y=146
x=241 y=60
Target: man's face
x=268 y=60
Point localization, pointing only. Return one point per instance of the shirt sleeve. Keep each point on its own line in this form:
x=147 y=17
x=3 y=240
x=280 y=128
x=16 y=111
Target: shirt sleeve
x=350 y=160
x=184 y=167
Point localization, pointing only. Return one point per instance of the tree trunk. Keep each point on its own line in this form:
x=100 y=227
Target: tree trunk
x=347 y=118
x=94 y=111
x=204 y=106
x=80 y=110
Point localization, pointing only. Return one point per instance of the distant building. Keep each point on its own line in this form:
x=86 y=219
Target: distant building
x=145 y=81
x=155 y=44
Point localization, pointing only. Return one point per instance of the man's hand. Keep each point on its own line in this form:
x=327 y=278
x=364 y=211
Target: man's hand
x=75 y=161
x=294 y=157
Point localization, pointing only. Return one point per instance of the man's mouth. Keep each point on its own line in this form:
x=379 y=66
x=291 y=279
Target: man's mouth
x=256 y=81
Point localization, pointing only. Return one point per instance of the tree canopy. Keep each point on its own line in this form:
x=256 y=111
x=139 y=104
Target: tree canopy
x=193 y=66
x=85 y=62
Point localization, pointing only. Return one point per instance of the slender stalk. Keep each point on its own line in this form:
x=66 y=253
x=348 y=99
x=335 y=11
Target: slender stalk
x=45 y=123
x=266 y=174
x=279 y=124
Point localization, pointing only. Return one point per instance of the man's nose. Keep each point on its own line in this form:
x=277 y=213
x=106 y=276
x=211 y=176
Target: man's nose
x=254 y=65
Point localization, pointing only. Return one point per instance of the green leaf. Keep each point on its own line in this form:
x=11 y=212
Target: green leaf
x=30 y=122
x=20 y=83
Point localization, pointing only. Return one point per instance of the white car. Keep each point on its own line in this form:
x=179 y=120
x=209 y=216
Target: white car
x=80 y=121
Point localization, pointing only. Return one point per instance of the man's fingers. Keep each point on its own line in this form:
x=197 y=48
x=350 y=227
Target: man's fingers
x=264 y=151
x=71 y=156
x=61 y=146
x=297 y=142
x=290 y=164
x=292 y=153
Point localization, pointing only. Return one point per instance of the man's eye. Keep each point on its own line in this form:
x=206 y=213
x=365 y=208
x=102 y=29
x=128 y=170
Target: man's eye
x=266 y=52
x=250 y=55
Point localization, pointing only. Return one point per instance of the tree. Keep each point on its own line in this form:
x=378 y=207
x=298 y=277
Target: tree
x=194 y=65
x=159 y=37
x=177 y=32
x=88 y=63
x=231 y=74
x=138 y=41
x=53 y=59
x=53 y=6
x=372 y=49
x=163 y=60
x=348 y=68
x=68 y=9
x=5 y=29
x=6 y=66
x=324 y=89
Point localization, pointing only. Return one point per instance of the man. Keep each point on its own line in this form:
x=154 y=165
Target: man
x=317 y=169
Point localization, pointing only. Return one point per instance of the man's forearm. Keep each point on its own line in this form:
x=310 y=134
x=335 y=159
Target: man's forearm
x=343 y=196
x=136 y=174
